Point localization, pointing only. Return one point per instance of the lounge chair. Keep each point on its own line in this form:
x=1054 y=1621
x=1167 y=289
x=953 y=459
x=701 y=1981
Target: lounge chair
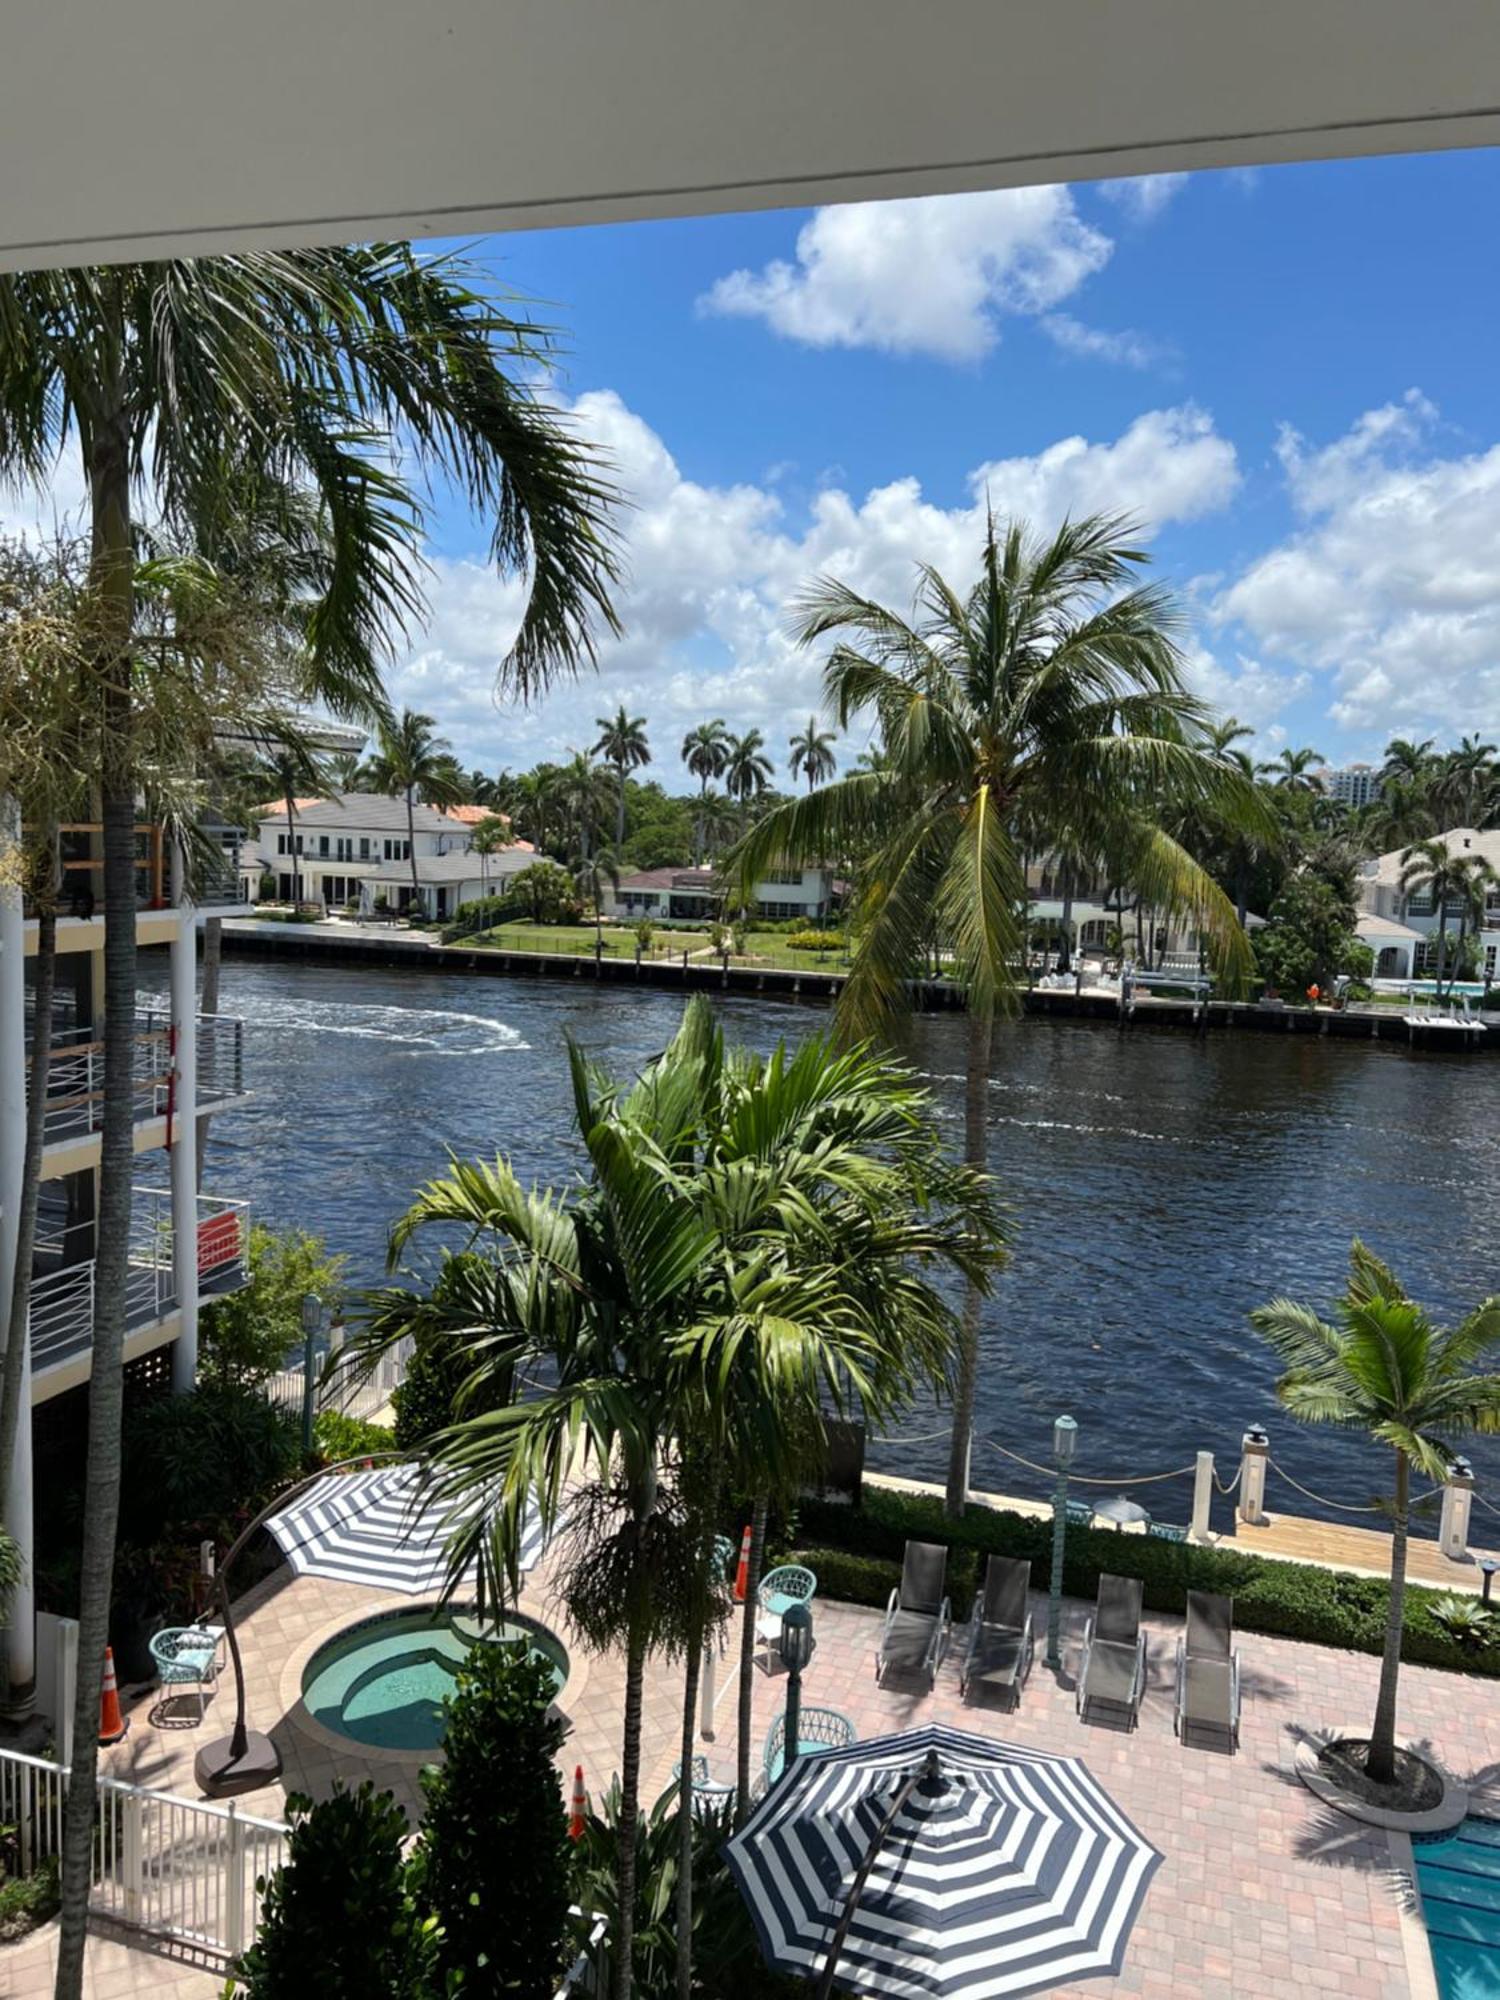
x=1208 y=1668
x=1000 y=1642
x=918 y=1617
x=1113 y=1667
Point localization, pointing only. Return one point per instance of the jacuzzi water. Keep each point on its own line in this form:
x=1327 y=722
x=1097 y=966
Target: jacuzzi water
x=1459 y=1876
x=383 y=1681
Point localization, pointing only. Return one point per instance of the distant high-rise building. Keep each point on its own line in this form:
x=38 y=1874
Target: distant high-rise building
x=1355 y=785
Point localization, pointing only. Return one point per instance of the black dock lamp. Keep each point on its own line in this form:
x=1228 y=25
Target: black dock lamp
x=795 y=1646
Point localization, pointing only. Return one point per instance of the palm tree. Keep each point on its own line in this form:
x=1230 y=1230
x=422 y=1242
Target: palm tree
x=1220 y=737
x=1296 y=769
x=1477 y=878
x=1048 y=701
x=577 y=790
x=747 y=769
x=1430 y=868
x=1408 y=762
x=1464 y=782
x=622 y=743
x=1383 y=1367
x=812 y=753
x=489 y=837
x=705 y=751
x=593 y=875
x=237 y=388
x=410 y=762
x=345 y=769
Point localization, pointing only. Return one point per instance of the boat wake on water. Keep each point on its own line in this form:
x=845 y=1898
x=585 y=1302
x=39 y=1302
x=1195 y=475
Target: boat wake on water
x=423 y=1031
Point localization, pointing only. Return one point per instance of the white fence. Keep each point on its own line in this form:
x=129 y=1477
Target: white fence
x=362 y=1395
x=177 y=1868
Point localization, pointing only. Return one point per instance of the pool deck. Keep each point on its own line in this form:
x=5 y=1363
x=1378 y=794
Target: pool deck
x=1262 y=1891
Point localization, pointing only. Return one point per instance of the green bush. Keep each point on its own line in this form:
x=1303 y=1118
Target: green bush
x=814 y=940
x=338 y=1918
x=27 y=1901
x=482 y=913
x=493 y=1862
x=195 y=1462
x=247 y=1336
x=338 y=1437
x=1291 y=1600
x=424 y=1402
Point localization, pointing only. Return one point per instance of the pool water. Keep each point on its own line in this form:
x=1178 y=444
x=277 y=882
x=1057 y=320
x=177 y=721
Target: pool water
x=383 y=1681
x=1459 y=1876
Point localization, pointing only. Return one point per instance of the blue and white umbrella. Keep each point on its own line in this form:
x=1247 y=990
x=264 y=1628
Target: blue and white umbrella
x=382 y=1527
x=981 y=1869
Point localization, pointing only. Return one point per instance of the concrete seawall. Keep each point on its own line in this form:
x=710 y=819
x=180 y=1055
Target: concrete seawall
x=316 y=944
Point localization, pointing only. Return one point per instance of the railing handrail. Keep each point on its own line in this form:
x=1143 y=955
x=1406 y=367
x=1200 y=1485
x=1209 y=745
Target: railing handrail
x=122 y=1786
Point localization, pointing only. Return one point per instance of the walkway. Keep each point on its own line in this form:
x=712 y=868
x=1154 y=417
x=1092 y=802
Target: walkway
x=1261 y=1891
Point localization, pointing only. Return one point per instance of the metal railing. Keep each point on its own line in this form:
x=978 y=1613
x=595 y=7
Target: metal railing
x=175 y=1868
x=365 y=1396
x=75 y=1073
x=221 y=1057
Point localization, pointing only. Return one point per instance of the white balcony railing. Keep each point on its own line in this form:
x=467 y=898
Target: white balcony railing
x=75 y=1074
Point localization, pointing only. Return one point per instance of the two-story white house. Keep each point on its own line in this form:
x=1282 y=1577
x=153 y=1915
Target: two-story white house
x=696 y=895
x=355 y=853
x=1402 y=931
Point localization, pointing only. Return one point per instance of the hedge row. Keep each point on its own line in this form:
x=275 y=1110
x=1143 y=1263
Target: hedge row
x=856 y=1554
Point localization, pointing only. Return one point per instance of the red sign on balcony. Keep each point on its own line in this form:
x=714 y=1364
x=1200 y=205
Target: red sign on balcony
x=218 y=1242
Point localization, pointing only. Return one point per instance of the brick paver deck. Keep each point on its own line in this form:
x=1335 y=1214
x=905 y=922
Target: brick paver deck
x=1262 y=1892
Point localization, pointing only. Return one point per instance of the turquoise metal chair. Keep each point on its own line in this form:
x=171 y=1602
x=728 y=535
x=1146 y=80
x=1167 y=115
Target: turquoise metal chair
x=708 y=1793
x=817 y=1729
x=188 y=1656
x=779 y=1590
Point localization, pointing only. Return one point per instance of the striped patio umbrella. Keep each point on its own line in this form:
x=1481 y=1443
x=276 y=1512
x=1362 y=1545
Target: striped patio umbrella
x=380 y=1527
x=939 y=1865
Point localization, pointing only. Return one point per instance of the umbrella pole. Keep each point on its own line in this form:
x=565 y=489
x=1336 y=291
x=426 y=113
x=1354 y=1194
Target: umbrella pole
x=930 y=1769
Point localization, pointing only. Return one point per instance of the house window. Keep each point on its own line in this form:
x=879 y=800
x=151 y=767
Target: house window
x=364 y=848
x=785 y=878
x=323 y=845
x=1419 y=904
x=281 y=843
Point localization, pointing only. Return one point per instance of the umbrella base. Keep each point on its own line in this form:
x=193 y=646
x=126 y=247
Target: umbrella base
x=221 y=1774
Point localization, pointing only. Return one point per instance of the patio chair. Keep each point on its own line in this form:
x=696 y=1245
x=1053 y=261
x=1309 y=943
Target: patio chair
x=817 y=1729
x=779 y=1589
x=1000 y=1642
x=918 y=1617
x=708 y=1793
x=1113 y=1667
x=1208 y=1669
x=188 y=1656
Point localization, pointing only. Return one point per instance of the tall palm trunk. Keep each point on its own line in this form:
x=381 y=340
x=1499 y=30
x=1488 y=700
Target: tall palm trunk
x=747 y=1660
x=620 y=812
x=208 y=1003
x=112 y=586
x=1065 y=958
x=976 y=1153
x=291 y=842
x=411 y=844
x=1442 y=957
x=701 y=1635
x=12 y=1416
x=622 y=1945
x=1381 y=1766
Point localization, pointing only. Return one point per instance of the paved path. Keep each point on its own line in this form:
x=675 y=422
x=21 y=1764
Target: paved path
x=1261 y=1893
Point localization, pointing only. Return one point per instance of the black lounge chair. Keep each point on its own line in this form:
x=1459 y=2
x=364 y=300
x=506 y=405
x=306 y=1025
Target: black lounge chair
x=918 y=1616
x=1208 y=1669
x=1113 y=1668
x=1000 y=1641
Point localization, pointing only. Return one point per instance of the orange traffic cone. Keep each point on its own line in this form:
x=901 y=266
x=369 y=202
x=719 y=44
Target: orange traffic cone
x=580 y=1806
x=742 y=1574
x=112 y=1725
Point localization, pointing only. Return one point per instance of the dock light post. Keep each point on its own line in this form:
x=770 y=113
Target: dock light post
x=1064 y=1444
x=1489 y=1569
x=312 y=1326
x=795 y=1646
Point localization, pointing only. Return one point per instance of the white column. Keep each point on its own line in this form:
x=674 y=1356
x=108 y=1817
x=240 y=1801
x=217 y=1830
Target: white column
x=1203 y=1493
x=1254 y=1452
x=1458 y=1501
x=184 y=1156
x=17 y=1503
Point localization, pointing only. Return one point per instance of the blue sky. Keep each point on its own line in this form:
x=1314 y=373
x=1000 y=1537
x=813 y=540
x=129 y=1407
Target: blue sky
x=1288 y=375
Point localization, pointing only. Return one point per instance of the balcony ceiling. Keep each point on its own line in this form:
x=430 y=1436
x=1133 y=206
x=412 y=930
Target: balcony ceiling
x=183 y=126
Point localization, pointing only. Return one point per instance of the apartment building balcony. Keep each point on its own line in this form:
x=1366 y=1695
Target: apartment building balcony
x=62 y=1299
x=75 y=1073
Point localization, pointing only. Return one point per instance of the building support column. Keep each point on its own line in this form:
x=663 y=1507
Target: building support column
x=184 y=1152
x=17 y=1503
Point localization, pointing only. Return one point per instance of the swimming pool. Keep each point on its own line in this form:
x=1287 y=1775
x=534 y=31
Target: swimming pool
x=1459 y=1876
x=382 y=1682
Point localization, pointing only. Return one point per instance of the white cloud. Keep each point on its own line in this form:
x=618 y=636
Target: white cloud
x=1247 y=690
x=1391 y=583
x=1127 y=349
x=713 y=568
x=1142 y=197
x=928 y=276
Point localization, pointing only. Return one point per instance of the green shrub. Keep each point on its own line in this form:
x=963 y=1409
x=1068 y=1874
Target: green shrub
x=1291 y=1600
x=27 y=1901
x=814 y=940
x=195 y=1461
x=247 y=1336
x=338 y=1918
x=493 y=1862
x=425 y=1401
x=338 y=1437
x=482 y=913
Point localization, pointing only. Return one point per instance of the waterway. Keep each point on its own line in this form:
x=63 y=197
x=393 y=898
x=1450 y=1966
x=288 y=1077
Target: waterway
x=1160 y=1186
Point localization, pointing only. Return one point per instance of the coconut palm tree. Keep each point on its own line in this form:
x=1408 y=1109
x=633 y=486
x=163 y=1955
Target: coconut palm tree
x=705 y=751
x=593 y=875
x=229 y=389
x=747 y=770
x=1432 y=869
x=1477 y=880
x=622 y=744
x=1464 y=783
x=1382 y=1366
x=412 y=763
x=1047 y=702
x=489 y=837
x=578 y=792
x=1409 y=762
x=1297 y=770
x=812 y=753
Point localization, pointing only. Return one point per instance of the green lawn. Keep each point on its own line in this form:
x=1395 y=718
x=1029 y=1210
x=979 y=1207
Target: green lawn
x=577 y=941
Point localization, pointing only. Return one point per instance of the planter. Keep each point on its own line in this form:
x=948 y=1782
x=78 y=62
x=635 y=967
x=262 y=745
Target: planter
x=1450 y=1809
